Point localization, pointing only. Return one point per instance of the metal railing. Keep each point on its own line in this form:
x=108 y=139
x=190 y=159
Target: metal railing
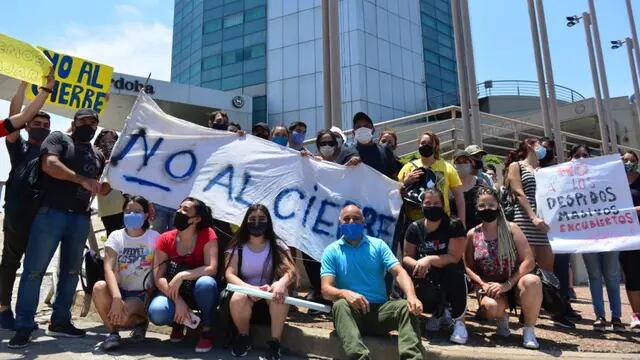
x=500 y=134
x=524 y=88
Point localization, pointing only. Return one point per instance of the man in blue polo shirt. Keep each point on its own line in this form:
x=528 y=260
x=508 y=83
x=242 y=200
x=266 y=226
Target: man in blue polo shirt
x=352 y=272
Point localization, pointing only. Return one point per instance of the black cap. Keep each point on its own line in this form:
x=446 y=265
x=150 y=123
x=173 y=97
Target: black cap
x=260 y=125
x=359 y=116
x=83 y=113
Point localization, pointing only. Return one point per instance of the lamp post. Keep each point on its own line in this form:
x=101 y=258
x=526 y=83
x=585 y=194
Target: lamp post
x=463 y=83
x=632 y=66
x=586 y=20
x=471 y=73
x=535 y=37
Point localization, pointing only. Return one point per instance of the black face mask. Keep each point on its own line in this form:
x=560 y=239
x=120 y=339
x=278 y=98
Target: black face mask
x=38 y=134
x=478 y=164
x=257 y=229
x=488 y=215
x=425 y=150
x=181 y=221
x=219 y=126
x=432 y=213
x=83 y=133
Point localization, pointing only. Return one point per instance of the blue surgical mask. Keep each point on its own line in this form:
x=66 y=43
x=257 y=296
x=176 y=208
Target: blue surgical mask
x=541 y=152
x=280 y=140
x=297 y=137
x=352 y=231
x=133 y=220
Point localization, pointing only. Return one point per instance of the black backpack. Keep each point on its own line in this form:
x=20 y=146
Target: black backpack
x=552 y=300
x=93 y=271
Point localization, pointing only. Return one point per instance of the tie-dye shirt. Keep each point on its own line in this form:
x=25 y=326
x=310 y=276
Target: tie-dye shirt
x=134 y=258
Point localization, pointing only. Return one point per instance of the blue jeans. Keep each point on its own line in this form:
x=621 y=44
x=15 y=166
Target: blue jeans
x=607 y=265
x=50 y=227
x=164 y=218
x=205 y=292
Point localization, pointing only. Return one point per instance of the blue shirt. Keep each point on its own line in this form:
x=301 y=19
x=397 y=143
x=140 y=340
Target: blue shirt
x=361 y=268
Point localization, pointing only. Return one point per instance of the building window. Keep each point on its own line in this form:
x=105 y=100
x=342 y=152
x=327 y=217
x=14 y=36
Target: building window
x=232 y=57
x=255 y=51
x=255 y=13
x=212 y=25
x=233 y=20
x=211 y=62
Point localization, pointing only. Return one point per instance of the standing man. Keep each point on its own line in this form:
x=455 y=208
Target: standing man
x=20 y=200
x=353 y=276
x=477 y=154
x=378 y=156
x=70 y=168
x=297 y=135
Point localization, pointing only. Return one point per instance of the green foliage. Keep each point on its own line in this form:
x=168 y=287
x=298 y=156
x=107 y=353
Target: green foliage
x=492 y=159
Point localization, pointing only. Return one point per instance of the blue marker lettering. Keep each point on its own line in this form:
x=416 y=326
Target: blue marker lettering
x=188 y=172
x=320 y=221
x=278 y=200
x=246 y=179
x=226 y=172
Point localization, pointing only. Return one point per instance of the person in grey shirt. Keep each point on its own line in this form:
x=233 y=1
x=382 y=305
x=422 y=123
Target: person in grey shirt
x=477 y=154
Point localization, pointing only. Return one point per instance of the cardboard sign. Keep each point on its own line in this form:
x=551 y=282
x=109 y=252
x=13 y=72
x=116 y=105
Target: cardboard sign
x=22 y=61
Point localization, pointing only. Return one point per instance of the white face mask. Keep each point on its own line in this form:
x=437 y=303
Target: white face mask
x=363 y=135
x=327 y=151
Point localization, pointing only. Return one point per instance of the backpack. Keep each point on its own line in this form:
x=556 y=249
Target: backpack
x=508 y=200
x=93 y=271
x=413 y=193
x=552 y=301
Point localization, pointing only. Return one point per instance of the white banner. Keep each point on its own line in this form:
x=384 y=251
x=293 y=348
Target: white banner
x=166 y=159
x=587 y=204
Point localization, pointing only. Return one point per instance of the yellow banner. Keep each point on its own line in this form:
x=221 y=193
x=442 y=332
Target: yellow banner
x=22 y=61
x=79 y=83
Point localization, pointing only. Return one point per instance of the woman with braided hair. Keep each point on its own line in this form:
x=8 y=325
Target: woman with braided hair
x=499 y=262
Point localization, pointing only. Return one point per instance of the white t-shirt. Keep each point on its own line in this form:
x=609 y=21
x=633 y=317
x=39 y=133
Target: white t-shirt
x=135 y=258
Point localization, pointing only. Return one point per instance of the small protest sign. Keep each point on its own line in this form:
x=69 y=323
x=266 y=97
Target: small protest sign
x=587 y=205
x=22 y=61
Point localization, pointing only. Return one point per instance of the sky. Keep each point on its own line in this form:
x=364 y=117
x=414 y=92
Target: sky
x=135 y=38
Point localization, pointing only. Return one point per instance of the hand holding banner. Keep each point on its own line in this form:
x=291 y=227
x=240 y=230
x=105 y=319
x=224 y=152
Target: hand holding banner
x=23 y=61
x=587 y=205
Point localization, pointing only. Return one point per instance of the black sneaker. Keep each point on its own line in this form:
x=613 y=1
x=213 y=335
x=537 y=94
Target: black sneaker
x=562 y=321
x=241 y=346
x=273 y=350
x=572 y=314
x=600 y=324
x=21 y=339
x=65 y=330
x=572 y=295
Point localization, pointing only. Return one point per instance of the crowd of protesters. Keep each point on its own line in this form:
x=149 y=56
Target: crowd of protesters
x=170 y=266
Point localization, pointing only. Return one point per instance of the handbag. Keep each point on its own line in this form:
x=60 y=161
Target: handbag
x=413 y=193
x=508 y=200
x=552 y=300
x=93 y=271
x=186 y=288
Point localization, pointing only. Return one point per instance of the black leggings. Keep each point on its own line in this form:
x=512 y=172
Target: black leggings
x=442 y=286
x=630 y=261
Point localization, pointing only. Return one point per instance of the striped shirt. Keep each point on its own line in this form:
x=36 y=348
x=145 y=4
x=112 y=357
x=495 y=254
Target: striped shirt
x=533 y=234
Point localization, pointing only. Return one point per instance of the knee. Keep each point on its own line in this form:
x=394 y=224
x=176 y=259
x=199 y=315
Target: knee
x=340 y=307
x=238 y=301
x=160 y=311
x=206 y=284
x=491 y=308
x=100 y=287
x=529 y=282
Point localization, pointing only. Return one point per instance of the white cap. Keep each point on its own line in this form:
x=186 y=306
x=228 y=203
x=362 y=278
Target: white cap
x=337 y=130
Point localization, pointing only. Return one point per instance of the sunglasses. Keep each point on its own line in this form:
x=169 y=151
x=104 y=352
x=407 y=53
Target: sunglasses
x=327 y=143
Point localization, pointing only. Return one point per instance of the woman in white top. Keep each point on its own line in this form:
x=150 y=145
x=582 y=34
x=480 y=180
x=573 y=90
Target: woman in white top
x=120 y=299
x=266 y=265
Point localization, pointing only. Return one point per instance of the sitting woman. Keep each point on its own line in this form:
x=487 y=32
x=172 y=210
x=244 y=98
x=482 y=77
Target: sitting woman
x=265 y=263
x=433 y=249
x=120 y=299
x=499 y=262
x=185 y=255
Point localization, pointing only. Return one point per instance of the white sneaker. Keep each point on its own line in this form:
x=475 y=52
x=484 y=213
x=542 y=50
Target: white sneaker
x=529 y=340
x=503 y=326
x=459 y=335
x=432 y=324
x=635 y=322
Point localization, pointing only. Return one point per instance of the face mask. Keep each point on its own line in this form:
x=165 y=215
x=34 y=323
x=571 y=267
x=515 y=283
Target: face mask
x=327 y=151
x=219 y=126
x=479 y=165
x=352 y=231
x=83 y=133
x=463 y=169
x=488 y=215
x=181 y=221
x=133 y=221
x=38 y=134
x=630 y=167
x=257 y=229
x=432 y=213
x=425 y=150
x=541 y=152
x=363 y=135
x=297 y=138
x=280 y=140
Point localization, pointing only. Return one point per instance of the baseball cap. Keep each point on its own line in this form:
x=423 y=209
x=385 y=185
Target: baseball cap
x=83 y=113
x=260 y=125
x=360 y=115
x=461 y=153
x=337 y=130
x=475 y=150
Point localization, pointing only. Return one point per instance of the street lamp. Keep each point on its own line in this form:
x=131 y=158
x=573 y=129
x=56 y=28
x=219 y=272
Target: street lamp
x=600 y=109
x=616 y=44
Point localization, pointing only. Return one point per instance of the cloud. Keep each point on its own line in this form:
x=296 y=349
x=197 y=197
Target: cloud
x=130 y=47
x=127 y=9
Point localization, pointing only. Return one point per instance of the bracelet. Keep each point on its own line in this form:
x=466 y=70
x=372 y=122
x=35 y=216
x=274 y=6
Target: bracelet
x=45 y=89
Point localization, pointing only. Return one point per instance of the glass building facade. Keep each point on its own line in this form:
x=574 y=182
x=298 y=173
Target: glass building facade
x=397 y=57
